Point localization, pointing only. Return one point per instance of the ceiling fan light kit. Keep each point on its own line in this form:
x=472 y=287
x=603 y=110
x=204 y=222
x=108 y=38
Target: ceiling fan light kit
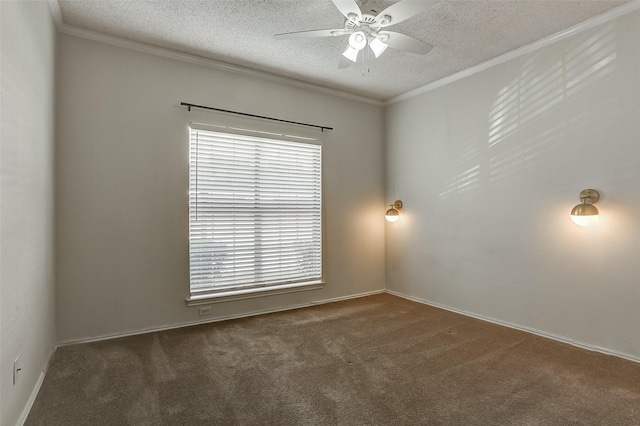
x=367 y=29
x=377 y=47
x=351 y=54
x=358 y=40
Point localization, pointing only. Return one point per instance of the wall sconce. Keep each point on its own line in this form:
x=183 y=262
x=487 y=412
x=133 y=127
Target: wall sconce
x=392 y=215
x=586 y=213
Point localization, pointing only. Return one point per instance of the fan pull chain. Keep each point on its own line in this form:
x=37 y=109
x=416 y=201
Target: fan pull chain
x=366 y=61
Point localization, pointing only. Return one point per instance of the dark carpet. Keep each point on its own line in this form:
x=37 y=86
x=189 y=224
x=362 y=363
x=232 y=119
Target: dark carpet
x=378 y=360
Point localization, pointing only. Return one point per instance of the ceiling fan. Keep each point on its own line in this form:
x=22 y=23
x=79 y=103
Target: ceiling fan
x=368 y=29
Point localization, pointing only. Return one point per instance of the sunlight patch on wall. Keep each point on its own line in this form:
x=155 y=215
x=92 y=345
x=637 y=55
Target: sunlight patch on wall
x=530 y=101
x=512 y=159
x=591 y=60
x=526 y=121
x=544 y=83
x=469 y=177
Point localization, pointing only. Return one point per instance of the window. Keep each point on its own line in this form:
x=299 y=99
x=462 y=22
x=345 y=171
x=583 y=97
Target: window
x=255 y=214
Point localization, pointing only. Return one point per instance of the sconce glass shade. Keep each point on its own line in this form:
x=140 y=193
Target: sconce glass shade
x=392 y=215
x=584 y=214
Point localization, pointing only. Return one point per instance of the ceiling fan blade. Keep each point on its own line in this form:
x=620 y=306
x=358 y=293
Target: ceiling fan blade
x=347 y=7
x=344 y=62
x=402 y=10
x=311 y=34
x=404 y=42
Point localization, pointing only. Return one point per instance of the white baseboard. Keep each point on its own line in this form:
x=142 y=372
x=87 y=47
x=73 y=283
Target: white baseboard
x=551 y=336
x=216 y=319
x=36 y=389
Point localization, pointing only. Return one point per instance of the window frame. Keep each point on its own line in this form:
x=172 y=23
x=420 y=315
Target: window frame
x=229 y=293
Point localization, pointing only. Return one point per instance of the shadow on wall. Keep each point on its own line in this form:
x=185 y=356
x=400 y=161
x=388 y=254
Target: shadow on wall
x=536 y=99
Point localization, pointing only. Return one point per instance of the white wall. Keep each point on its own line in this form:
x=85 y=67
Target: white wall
x=27 y=308
x=489 y=168
x=122 y=176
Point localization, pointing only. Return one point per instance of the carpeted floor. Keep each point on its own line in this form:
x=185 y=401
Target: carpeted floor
x=379 y=360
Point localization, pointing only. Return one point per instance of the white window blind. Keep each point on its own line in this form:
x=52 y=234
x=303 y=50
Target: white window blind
x=255 y=212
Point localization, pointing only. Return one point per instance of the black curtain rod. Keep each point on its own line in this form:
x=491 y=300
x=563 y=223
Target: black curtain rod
x=322 y=128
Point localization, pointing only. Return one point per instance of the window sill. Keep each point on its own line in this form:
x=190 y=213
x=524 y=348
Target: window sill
x=231 y=295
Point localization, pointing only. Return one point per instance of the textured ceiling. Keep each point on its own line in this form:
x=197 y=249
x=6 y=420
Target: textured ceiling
x=240 y=32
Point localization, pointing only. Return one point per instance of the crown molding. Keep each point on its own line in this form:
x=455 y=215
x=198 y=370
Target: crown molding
x=54 y=7
x=529 y=48
x=211 y=63
x=199 y=60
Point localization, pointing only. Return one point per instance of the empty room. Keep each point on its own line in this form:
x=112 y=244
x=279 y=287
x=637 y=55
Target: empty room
x=351 y=212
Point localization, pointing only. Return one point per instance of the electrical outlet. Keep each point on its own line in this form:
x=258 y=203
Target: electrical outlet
x=16 y=370
x=205 y=310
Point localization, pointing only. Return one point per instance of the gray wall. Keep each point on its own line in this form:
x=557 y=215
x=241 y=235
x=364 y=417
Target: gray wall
x=489 y=168
x=27 y=307
x=122 y=176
